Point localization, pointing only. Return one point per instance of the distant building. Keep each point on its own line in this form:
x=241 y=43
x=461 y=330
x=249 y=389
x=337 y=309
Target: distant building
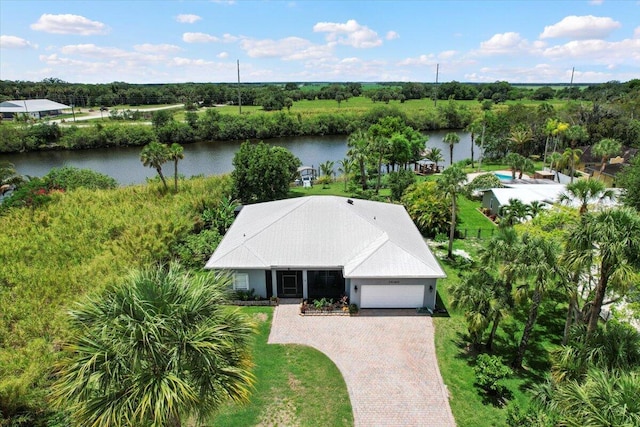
x=34 y=108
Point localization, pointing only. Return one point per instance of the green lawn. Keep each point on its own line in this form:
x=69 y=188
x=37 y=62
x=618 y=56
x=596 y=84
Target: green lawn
x=295 y=386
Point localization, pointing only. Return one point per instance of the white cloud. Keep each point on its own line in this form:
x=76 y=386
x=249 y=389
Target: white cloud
x=289 y=48
x=598 y=51
x=13 y=42
x=596 y=2
x=223 y=55
x=420 y=60
x=581 y=27
x=187 y=18
x=447 y=54
x=350 y=33
x=156 y=48
x=636 y=33
x=504 y=43
x=199 y=38
x=191 y=62
x=69 y=24
x=392 y=35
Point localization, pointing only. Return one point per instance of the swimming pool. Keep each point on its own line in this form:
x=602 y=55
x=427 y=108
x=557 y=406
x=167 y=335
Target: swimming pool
x=502 y=176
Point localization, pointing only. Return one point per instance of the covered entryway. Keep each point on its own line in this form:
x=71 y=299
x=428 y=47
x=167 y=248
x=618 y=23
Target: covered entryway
x=289 y=283
x=325 y=284
x=392 y=296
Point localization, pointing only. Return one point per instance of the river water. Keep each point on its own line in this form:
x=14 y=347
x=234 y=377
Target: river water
x=203 y=158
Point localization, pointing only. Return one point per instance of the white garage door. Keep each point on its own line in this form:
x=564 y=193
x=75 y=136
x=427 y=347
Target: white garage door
x=392 y=296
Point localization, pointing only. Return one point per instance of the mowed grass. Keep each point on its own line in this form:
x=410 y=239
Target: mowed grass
x=295 y=386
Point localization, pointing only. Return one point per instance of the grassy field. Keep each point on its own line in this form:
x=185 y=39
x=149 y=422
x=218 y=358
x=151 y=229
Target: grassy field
x=295 y=386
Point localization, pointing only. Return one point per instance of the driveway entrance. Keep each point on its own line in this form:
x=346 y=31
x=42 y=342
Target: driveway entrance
x=388 y=363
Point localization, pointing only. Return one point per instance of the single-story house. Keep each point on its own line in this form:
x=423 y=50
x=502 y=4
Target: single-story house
x=329 y=246
x=493 y=199
x=35 y=108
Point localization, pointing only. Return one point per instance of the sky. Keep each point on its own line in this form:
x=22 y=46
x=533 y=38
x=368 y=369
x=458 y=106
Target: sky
x=170 y=41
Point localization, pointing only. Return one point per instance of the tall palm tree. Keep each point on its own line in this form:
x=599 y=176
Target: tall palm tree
x=451 y=183
x=605 y=149
x=451 y=138
x=571 y=156
x=537 y=263
x=475 y=129
x=576 y=134
x=153 y=350
x=379 y=146
x=345 y=167
x=500 y=252
x=359 y=152
x=512 y=212
x=555 y=159
x=176 y=153
x=153 y=155
x=610 y=241
x=584 y=191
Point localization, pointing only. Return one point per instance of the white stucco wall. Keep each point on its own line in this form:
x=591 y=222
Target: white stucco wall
x=429 y=294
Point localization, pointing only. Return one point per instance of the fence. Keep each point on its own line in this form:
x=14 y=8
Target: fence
x=477 y=233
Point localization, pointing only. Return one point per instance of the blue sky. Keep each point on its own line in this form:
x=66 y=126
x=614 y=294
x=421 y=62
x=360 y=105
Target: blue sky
x=167 y=41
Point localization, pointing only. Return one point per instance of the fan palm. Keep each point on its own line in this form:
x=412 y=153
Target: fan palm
x=605 y=149
x=571 y=156
x=359 y=152
x=451 y=183
x=154 y=155
x=176 y=153
x=451 y=138
x=153 y=350
x=609 y=239
x=584 y=191
x=345 y=167
x=435 y=155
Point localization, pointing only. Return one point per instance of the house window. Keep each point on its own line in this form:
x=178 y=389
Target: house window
x=241 y=282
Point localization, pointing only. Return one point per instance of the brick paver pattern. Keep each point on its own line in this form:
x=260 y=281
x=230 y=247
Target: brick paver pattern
x=388 y=363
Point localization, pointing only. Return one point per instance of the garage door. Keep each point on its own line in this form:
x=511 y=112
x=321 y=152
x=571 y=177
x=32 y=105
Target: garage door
x=392 y=296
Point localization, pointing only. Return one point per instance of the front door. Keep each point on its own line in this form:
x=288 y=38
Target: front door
x=289 y=284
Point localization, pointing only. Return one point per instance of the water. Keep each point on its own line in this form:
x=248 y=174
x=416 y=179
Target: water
x=203 y=158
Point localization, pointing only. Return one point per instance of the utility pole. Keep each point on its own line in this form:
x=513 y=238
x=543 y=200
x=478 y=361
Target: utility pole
x=239 y=97
x=435 y=97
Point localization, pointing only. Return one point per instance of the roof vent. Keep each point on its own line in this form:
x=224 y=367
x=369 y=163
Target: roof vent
x=350 y=201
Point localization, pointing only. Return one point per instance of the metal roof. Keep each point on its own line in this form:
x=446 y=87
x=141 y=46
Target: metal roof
x=31 y=106
x=361 y=237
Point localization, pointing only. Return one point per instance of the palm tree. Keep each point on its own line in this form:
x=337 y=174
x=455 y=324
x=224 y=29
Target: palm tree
x=536 y=261
x=575 y=134
x=535 y=208
x=451 y=183
x=512 y=212
x=474 y=128
x=158 y=348
x=176 y=153
x=500 y=252
x=555 y=159
x=519 y=138
x=610 y=239
x=345 y=167
x=326 y=169
x=451 y=138
x=435 y=155
x=584 y=191
x=359 y=152
x=378 y=145
x=483 y=298
x=603 y=398
x=605 y=149
x=9 y=176
x=513 y=160
x=153 y=155
x=571 y=156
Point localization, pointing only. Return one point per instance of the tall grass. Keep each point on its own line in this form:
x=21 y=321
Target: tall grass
x=80 y=242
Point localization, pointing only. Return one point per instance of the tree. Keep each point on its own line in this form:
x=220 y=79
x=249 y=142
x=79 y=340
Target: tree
x=358 y=152
x=451 y=183
x=288 y=103
x=345 y=167
x=571 y=156
x=585 y=191
x=398 y=181
x=158 y=348
x=475 y=129
x=159 y=118
x=8 y=175
x=513 y=212
x=483 y=298
x=176 y=153
x=262 y=172
x=435 y=155
x=555 y=159
x=575 y=134
x=629 y=179
x=427 y=208
x=154 y=155
x=519 y=138
x=605 y=149
x=326 y=170
x=451 y=138
x=609 y=240
x=536 y=261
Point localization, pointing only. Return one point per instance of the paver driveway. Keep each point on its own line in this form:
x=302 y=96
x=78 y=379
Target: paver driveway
x=388 y=362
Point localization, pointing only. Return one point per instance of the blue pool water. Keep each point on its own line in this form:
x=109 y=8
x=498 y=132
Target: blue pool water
x=503 y=177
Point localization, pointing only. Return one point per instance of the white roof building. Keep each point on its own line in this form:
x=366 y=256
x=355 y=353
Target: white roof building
x=369 y=243
x=33 y=107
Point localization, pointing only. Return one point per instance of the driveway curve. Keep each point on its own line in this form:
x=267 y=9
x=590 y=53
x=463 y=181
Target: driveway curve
x=388 y=363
